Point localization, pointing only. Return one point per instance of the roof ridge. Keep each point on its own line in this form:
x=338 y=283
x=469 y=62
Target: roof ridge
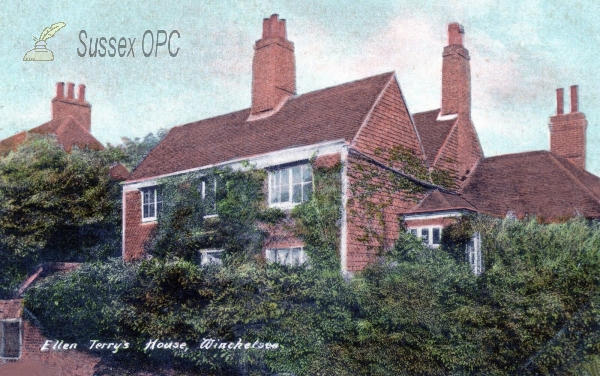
x=573 y=177
x=390 y=73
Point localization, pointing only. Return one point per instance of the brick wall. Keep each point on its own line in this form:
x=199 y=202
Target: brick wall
x=67 y=105
x=372 y=216
x=136 y=232
x=33 y=361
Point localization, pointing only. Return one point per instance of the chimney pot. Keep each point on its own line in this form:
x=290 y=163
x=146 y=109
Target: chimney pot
x=70 y=90
x=574 y=99
x=81 y=96
x=560 y=102
x=455 y=34
x=60 y=89
x=274 y=27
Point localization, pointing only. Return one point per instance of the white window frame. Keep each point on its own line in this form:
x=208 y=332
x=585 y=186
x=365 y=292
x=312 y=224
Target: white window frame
x=474 y=254
x=204 y=188
x=274 y=173
x=429 y=230
x=156 y=203
x=273 y=255
x=205 y=258
x=2 y=338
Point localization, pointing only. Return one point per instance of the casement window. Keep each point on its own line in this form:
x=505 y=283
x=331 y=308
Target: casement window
x=10 y=339
x=211 y=256
x=474 y=255
x=151 y=203
x=290 y=186
x=209 y=197
x=430 y=236
x=292 y=256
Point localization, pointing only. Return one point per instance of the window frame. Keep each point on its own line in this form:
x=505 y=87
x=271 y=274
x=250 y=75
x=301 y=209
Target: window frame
x=430 y=229
x=474 y=254
x=204 y=260
x=301 y=261
x=156 y=203
x=203 y=190
x=2 y=338
x=290 y=185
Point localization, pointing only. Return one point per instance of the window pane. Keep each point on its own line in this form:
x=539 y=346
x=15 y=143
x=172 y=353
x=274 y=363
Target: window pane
x=12 y=339
x=307 y=191
x=435 y=237
x=273 y=188
x=282 y=256
x=306 y=173
x=297 y=193
x=425 y=235
x=271 y=255
x=295 y=256
x=413 y=231
x=296 y=174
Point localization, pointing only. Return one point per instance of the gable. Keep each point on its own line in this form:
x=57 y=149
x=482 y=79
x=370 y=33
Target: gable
x=432 y=132
x=331 y=114
x=388 y=126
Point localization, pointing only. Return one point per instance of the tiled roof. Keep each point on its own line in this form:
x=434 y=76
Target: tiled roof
x=325 y=115
x=432 y=132
x=68 y=132
x=537 y=183
x=440 y=201
x=119 y=172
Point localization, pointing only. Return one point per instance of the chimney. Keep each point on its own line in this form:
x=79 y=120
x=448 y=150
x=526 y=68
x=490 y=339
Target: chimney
x=567 y=131
x=456 y=74
x=273 y=68
x=78 y=108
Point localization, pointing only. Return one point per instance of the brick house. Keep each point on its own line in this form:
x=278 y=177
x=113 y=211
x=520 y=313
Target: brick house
x=359 y=124
x=22 y=341
x=71 y=124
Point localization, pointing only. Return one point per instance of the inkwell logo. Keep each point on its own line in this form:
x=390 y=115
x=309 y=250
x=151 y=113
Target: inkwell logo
x=40 y=52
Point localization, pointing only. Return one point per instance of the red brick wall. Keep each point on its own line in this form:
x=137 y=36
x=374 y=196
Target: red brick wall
x=55 y=363
x=273 y=67
x=372 y=217
x=568 y=137
x=136 y=232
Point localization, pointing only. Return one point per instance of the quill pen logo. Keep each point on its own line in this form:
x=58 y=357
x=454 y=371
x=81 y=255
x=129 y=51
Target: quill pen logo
x=40 y=52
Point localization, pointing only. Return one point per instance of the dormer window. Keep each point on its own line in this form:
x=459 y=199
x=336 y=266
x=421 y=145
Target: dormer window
x=151 y=203
x=290 y=186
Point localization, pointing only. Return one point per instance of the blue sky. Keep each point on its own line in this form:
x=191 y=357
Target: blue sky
x=520 y=53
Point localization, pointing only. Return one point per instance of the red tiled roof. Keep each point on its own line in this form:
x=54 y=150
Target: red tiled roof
x=119 y=172
x=68 y=132
x=432 y=132
x=325 y=115
x=537 y=183
x=439 y=201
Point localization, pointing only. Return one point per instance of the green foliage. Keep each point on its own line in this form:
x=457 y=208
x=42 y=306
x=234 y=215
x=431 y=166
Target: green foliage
x=318 y=220
x=131 y=152
x=84 y=304
x=55 y=206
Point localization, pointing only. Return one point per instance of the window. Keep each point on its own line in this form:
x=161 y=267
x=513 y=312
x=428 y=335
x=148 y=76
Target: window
x=10 y=339
x=473 y=253
x=151 y=203
x=290 y=186
x=430 y=236
x=287 y=256
x=209 y=197
x=211 y=256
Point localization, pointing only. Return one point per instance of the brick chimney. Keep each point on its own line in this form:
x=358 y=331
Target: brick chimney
x=273 y=68
x=567 y=131
x=456 y=74
x=78 y=107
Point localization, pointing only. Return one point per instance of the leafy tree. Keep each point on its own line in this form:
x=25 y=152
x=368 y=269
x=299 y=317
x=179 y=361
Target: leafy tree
x=55 y=206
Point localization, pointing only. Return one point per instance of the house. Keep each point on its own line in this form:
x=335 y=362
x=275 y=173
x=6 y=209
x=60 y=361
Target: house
x=24 y=350
x=281 y=131
x=365 y=125
x=71 y=124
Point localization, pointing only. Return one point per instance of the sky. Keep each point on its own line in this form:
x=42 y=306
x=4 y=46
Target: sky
x=521 y=52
